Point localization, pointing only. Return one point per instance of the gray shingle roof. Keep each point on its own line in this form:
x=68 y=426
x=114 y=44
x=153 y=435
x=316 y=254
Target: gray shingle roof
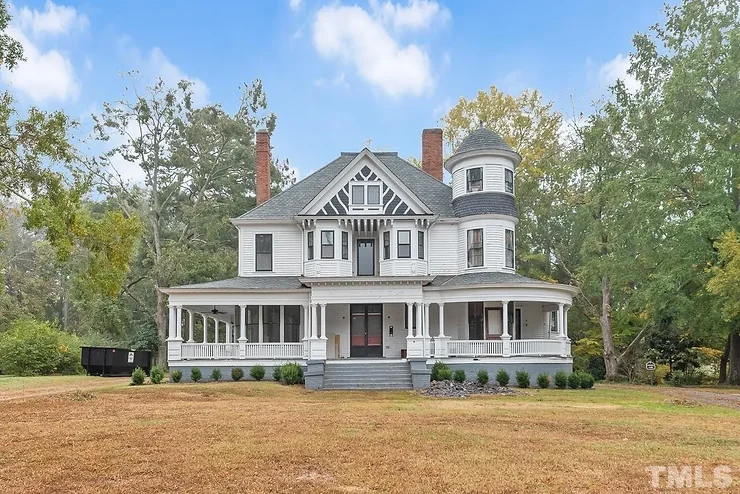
x=489 y=278
x=482 y=138
x=484 y=203
x=434 y=194
x=250 y=283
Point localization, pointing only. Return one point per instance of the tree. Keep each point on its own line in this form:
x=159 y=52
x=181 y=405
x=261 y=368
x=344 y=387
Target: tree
x=724 y=283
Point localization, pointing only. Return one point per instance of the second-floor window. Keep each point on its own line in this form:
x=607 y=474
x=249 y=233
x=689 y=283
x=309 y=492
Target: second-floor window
x=263 y=252
x=404 y=244
x=345 y=245
x=474 y=179
x=386 y=245
x=310 y=246
x=366 y=194
x=327 y=244
x=421 y=245
x=509 y=248
x=475 y=248
x=509 y=181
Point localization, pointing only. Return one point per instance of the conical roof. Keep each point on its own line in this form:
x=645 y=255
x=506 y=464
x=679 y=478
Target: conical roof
x=480 y=139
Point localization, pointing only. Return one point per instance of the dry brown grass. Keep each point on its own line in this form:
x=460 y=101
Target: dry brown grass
x=263 y=437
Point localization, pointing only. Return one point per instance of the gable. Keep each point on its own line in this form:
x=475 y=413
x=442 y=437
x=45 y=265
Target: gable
x=363 y=179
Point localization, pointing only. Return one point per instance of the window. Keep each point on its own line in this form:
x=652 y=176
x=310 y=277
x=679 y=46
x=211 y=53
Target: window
x=421 y=245
x=271 y=323
x=386 y=245
x=404 y=244
x=554 y=322
x=406 y=316
x=327 y=244
x=253 y=324
x=292 y=323
x=263 y=257
x=509 y=248
x=509 y=181
x=475 y=248
x=310 y=245
x=373 y=194
x=358 y=194
x=345 y=245
x=475 y=320
x=475 y=179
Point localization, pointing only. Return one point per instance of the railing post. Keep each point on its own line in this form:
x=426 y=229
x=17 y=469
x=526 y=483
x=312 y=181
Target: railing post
x=440 y=346
x=242 y=331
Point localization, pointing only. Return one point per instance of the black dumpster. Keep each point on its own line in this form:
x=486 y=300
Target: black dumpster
x=102 y=361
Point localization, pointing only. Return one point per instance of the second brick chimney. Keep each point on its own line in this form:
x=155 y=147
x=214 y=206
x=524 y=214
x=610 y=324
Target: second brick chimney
x=431 y=152
x=262 y=166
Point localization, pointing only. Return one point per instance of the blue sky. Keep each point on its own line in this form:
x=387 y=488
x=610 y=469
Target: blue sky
x=337 y=74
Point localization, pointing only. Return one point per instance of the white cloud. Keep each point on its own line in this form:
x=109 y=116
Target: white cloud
x=441 y=109
x=295 y=5
x=54 y=20
x=416 y=15
x=336 y=81
x=616 y=68
x=353 y=37
x=47 y=74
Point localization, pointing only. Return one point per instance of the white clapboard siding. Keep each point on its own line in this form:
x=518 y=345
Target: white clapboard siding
x=442 y=249
x=328 y=268
x=287 y=249
x=458 y=182
x=493 y=244
x=493 y=178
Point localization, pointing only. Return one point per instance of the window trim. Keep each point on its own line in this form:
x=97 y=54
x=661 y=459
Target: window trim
x=508 y=185
x=345 y=245
x=386 y=245
x=327 y=245
x=509 y=233
x=468 y=182
x=309 y=246
x=365 y=206
x=420 y=245
x=470 y=248
x=257 y=253
x=399 y=244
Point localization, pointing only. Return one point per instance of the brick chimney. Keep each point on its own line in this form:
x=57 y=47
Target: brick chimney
x=262 y=166
x=431 y=152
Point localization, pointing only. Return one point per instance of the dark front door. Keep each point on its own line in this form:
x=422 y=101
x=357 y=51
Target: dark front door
x=366 y=330
x=366 y=257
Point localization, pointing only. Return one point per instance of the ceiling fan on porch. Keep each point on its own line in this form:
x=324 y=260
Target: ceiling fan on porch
x=216 y=311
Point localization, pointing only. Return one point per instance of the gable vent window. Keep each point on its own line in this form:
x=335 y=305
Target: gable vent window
x=475 y=179
x=263 y=252
x=310 y=246
x=421 y=245
x=475 y=248
x=509 y=248
x=327 y=244
x=345 y=245
x=404 y=244
x=509 y=181
x=386 y=245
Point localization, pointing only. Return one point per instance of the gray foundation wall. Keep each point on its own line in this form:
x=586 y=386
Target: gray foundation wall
x=534 y=369
x=225 y=372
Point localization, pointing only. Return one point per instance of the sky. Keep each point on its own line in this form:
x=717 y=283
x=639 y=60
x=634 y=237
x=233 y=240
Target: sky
x=339 y=75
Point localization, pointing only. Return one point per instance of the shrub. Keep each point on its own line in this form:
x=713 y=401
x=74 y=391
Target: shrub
x=678 y=378
x=195 y=374
x=436 y=368
x=459 y=376
x=237 y=373
x=586 y=380
x=482 y=376
x=30 y=347
x=444 y=374
x=176 y=375
x=543 y=380
x=277 y=373
x=257 y=372
x=216 y=374
x=502 y=378
x=291 y=374
x=561 y=380
x=574 y=381
x=138 y=377
x=522 y=379
x=156 y=374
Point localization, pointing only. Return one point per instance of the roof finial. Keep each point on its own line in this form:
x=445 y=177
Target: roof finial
x=480 y=123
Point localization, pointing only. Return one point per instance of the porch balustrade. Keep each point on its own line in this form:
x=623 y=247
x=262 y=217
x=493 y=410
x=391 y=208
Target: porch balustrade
x=252 y=350
x=495 y=348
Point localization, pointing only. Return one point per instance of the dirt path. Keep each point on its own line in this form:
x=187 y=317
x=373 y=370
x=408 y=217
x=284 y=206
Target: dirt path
x=725 y=398
x=35 y=390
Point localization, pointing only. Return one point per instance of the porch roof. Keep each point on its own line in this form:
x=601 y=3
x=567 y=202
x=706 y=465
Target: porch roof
x=261 y=283
x=494 y=279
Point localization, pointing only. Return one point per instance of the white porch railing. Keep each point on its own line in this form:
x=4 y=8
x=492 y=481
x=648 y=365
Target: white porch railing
x=231 y=350
x=274 y=350
x=210 y=350
x=495 y=348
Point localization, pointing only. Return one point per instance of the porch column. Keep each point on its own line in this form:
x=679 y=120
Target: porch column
x=261 y=325
x=205 y=328
x=505 y=336
x=178 y=334
x=426 y=333
x=282 y=324
x=440 y=342
x=441 y=306
x=419 y=320
x=173 y=322
x=306 y=329
x=228 y=332
x=215 y=331
x=561 y=317
x=242 y=331
x=565 y=321
x=323 y=321
x=191 y=325
x=314 y=322
x=410 y=319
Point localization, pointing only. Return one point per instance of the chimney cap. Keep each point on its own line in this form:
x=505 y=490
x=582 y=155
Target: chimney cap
x=263 y=131
x=434 y=130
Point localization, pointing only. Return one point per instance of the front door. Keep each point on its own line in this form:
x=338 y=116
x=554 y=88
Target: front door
x=366 y=257
x=494 y=324
x=366 y=330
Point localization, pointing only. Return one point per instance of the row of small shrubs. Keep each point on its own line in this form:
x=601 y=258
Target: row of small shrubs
x=156 y=375
x=562 y=380
x=288 y=374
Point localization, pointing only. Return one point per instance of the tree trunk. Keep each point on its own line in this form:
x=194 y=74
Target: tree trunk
x=610 y=359
x=723 y=361
x=161 y=319
x=733 y=371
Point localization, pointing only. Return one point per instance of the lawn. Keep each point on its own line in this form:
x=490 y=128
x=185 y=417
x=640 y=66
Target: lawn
x=263 y=437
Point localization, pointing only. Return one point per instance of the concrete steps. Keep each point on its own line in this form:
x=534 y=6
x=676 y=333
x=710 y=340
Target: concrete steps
x=367 y=375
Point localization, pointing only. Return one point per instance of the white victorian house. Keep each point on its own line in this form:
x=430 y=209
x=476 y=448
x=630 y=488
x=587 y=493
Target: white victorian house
x=370 y=269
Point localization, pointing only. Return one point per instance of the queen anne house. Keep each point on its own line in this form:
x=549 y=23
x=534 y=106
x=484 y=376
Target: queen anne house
x=370 y=269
